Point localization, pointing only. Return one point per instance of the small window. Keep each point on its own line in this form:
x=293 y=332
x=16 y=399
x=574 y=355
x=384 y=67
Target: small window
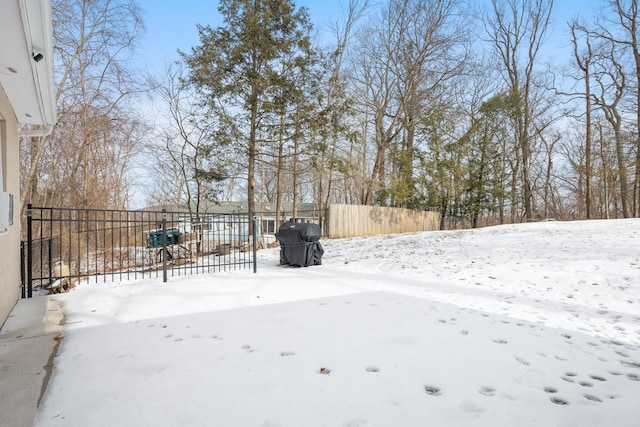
x=268 y=226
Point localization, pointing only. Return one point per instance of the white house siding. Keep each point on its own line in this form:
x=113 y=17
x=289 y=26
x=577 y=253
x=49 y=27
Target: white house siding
x=9 y=239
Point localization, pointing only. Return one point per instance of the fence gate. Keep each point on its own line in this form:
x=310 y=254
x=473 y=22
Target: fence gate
x=65 y=246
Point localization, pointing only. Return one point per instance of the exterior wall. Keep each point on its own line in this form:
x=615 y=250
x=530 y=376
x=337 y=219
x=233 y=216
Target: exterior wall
x=356 y=220
x=9 y=241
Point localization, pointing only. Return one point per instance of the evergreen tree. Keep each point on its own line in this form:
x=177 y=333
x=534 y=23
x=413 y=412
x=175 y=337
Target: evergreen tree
x=237 y=65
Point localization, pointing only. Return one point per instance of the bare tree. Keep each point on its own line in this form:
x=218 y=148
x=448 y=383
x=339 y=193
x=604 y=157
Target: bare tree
x=627 y=19
x=583 y=60
x=401 y=61
x=517 y=29
x=612 y=86
x=92 y=43
x=334 y=125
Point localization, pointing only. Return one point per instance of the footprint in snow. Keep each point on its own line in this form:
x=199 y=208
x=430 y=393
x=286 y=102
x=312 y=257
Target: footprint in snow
x=559 y=401
x=247 y=348
x=432 y=390
x=487 y=391
x=635 y=365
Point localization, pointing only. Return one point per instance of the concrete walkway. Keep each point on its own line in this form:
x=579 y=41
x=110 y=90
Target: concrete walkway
x=29 y=342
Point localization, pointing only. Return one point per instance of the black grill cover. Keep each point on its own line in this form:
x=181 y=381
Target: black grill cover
x=299 y=244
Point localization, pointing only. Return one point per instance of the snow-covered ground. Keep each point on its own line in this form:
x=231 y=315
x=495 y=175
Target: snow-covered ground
x=518 y=325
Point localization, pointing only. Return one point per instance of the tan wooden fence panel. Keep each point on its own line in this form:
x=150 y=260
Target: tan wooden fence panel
x=356 y=220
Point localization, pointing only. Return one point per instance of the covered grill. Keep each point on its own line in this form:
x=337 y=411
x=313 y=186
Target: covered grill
x=299 y=244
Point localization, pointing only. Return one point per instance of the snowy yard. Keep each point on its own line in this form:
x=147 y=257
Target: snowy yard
x=518 y=325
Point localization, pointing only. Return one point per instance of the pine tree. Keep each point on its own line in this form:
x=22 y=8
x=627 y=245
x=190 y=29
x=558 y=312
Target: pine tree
x=237 y=65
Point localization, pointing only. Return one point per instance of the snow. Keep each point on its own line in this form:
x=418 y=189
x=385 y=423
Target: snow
x=530 y=325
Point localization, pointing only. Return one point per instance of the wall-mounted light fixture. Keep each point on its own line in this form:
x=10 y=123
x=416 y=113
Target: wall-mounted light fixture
x=37 y=56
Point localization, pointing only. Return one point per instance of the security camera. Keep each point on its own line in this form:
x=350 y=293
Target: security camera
x=37 y=57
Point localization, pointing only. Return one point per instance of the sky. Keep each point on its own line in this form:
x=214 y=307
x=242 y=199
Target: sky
x=171 y=24
x=518 y=325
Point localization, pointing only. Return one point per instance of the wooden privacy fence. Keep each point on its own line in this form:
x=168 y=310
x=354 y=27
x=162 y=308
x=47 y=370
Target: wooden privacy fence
x=355 y=220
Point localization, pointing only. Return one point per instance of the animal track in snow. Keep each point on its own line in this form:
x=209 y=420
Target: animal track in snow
x=635 y=365
x=500 y=341
x=592 y=398
x=432 y=390
x=287 y=353
x=372 y=369
x=248 y=349
x=551 y=390
x=487 y=391
x=597 y=378
x=522 y=361
x=559 y=401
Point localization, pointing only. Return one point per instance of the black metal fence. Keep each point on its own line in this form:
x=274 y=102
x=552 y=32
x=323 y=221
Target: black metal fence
x=65 y=246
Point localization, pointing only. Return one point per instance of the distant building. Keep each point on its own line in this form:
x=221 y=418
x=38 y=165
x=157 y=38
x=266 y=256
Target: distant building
x=265 y=213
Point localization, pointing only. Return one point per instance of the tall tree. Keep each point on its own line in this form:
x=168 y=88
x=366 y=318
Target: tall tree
x=236 y=64
x=337 y=108
x=427 y=53
x=628 y=21
x=517 y=29
x=192 y=144
x=612 y=87
x=93 y=40
x=583 y=60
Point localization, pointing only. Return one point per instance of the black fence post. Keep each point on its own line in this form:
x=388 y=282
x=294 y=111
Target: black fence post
x=22 y=278
x=255 y=235
x=50 y=258
x=29 y=250
x=164 y=245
